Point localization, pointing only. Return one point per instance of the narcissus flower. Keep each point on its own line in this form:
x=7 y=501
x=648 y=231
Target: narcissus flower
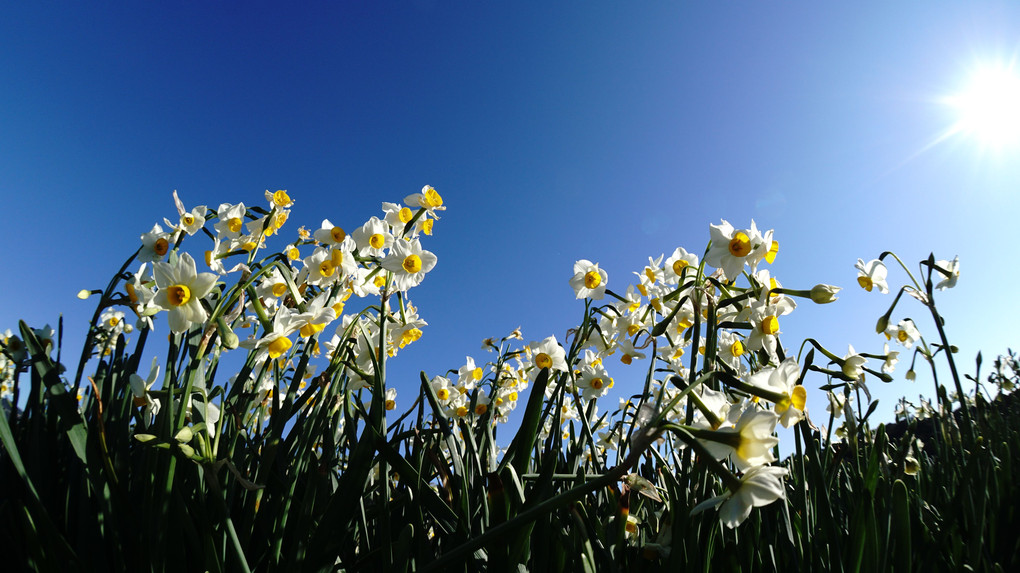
x=230 y=220
x=783 y=379
x=589 y=281
x=853 y=364
x=373 y=238
x=871 y=275
x=732 y=248
x=951 y=274
x=429 y=199
x=155 y=245
x=408 y=263
x=181 y=289
x=905 y=333
x=759 y=486
x=748 y=443
x=548 y=354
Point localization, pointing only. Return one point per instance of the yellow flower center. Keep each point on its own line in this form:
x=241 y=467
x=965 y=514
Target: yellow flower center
x=326 y=268
x=412 y=264
x=405 y=215
x=592 y=279
x=462 y=411
x=865 y=282
x=161 y=246
x=769 y=325
x=679 y=266
x=597 y=383
x=281 y=199
x=311 y=329
x=337 y=233
x=249 y=246
x=279 y=289
x=426 y=227
x=512 y=396
x=476 y=374
x=902 y=336
x=740 y=245
x=336 y=256
x=409 y=336
x=481 y=409
x=234 y=224
x=799 y=398
x=773 y=251
x=626 y=359
x=293 y=253
x=188 y=219
x=650 y=275
x=443 y=394
x=278 y=347
x=737 y=348
x=178 y=295
x=377 y=241
x=379 y=281
x=543 y=360
x=391 y=404
x=632 y=329
x=433 y=199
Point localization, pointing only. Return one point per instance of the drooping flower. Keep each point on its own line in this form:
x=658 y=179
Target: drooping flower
x=871 y=275
x=589 y=281
x=783 y=379
x=853 y=364
x=949 y=277
x=759 y=486
x=181 y=289
x=749 y=442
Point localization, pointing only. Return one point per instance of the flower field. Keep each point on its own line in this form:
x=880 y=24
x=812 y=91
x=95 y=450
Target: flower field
x=263 y=433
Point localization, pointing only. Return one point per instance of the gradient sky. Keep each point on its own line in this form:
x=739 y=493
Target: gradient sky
x=554 y=131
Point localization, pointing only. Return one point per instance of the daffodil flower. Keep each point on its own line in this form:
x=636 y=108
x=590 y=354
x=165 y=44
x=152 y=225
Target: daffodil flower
x=871 y=275
x=733 y=248
x=748 y=443
x=409 y=263
x=373 y=238
x=181 y=289
x=589 y=281
x=905 y=333
x=230 y=220
x=759 y=486
x=155 y=245
x=951 y=274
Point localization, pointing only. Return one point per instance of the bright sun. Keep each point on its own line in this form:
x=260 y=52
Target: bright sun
x=988 y=110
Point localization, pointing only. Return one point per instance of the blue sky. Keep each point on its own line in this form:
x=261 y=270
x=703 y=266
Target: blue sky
x=554 y=132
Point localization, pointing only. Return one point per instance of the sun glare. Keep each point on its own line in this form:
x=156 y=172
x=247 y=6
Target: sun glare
x=988 y=110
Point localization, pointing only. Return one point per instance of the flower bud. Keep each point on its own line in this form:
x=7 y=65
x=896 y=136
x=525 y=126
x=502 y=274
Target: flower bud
x=883 y=323
x=824 y=294
x=84 y=293
x=911 y=375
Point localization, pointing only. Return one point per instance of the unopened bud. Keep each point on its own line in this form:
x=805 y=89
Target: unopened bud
x=911 y=375
x=883 y=323
x=84 y=293
x=824 y=294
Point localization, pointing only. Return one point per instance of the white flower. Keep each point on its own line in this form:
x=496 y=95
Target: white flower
x=549 y=354
x=589 y=281
x=749 y=443
x=905 y=332
x=181 y=289
x=759 y=486
x=732 y=248
x=891 y=358
x=953 y=270
x=408 y=263
x=872 y=275
x=783 y=379
x=853 y=364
